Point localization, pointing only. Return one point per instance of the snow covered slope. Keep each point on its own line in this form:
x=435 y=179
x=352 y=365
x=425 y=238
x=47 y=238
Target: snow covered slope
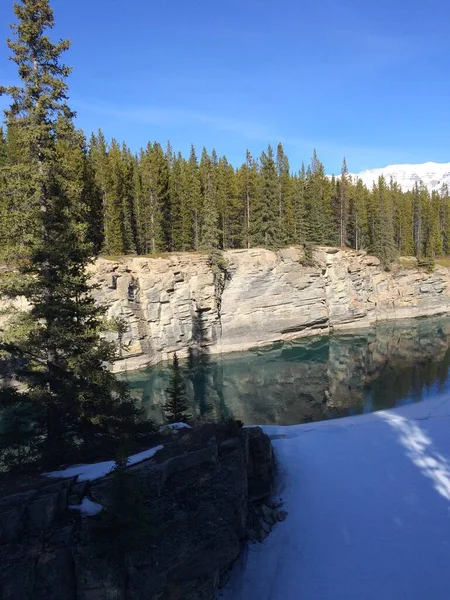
x=368 y=501
x=432 y=175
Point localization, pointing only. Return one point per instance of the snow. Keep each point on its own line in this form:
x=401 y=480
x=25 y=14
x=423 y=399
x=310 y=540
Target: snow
x=368 y=502
x=87 y=507
x=98 y=470
x=175 y=426
x=432 y=175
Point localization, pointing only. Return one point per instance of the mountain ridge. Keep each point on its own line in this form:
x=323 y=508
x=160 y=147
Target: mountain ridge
x=433 y=175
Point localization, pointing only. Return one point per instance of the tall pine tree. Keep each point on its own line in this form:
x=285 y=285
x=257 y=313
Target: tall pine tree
x=55 y=349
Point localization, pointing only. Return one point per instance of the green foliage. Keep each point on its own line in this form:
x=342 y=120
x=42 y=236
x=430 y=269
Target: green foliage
x=176 y=405
x=56 y=349
x=307 y=260
x=265 y=217
x=21 y=422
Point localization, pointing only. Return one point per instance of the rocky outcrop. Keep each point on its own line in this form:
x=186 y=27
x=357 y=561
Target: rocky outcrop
x=173 y=304
x=203 y=494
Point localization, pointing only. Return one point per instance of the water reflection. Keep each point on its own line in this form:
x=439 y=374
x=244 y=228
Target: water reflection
x=312 y=379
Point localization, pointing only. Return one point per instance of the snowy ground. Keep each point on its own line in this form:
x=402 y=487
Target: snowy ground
x=368 y=499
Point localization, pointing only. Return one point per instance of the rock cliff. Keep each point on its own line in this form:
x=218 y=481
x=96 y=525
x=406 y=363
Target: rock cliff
x=175 y=303
x=203 y=495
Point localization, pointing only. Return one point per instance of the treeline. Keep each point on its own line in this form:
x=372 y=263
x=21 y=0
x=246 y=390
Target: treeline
x=158 y=200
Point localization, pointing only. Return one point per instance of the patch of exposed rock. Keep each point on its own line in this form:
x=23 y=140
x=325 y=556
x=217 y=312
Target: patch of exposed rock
x=171 y=304
x=202 y=492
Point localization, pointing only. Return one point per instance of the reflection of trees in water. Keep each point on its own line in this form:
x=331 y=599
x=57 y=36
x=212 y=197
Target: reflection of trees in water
x=310 y=379
x=206 y=374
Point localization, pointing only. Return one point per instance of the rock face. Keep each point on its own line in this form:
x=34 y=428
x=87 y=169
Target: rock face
x=198 y=494
x=174 y=303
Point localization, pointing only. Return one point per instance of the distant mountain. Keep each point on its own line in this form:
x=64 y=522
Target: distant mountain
x=432 y=175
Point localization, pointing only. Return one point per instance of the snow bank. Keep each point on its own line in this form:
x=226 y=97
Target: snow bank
x=174 y=426
x=368 y=502
x=87 y=507
x=98 y=470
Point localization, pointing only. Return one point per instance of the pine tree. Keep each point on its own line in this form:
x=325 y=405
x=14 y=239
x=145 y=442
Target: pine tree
x=403 y=225
x=194 y=195
x=298 y=207
x=265 y=216
x=359 y=198
x=3 y=148
x=176 y=405
x=342 y=186
x=177 y=199
x=98 y=169
x=247 y=182
x=320 y=228
x=381 y=224
x=54 y=349
x=444 y=220
x=153 y=200
x=286 y=226
x=209 y=215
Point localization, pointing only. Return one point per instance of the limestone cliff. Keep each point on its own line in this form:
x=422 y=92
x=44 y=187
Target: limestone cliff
x=174 y=303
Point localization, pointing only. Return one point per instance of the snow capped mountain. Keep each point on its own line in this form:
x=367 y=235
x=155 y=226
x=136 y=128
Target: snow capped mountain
x=432 y=175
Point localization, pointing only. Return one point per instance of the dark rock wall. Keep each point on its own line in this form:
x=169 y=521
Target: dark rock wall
x=199 y=495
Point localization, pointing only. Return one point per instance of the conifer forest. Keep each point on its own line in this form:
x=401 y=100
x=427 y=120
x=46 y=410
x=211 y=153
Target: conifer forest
x=157 y=200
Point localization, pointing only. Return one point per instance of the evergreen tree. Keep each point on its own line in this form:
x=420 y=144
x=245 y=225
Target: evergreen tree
x=286 y=225
x=3 y=148
x=179 y=212
x=176 y=405
x=209 y=215
x=381 y=224
x=194 y=195
x=266 y=213
x=320 y=228
x=444 y=219
x=359 y=198
x=343 y=200
x=417 y=220
x=98 y=169
x=54 y=349
x=298 y=207
x=153 y=200
x=403 y=225
x=247 y=182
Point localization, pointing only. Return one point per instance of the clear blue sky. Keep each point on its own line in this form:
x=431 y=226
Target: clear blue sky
x=366 y=79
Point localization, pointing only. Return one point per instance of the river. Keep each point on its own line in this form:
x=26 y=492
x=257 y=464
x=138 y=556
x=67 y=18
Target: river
x=311 y=379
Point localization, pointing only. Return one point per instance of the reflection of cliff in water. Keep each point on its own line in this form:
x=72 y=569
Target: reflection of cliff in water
x=313 y=379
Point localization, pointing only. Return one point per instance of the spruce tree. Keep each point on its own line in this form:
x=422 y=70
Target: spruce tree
x=176 y=405
x=298 y=207
x=320 y=228
x=153 y=200
x=194 y=195
x=266 y=213
x=381 y=224
x=359 y=198
x=209 y=216
x=343 y=186
x=286 y=225
x=247 y=183
x=55 y=349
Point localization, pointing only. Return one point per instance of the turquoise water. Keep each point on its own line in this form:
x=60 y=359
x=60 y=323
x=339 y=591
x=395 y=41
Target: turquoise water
x=312 y=379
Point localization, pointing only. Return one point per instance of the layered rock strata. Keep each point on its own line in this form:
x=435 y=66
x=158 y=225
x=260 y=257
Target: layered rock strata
x=174 y=304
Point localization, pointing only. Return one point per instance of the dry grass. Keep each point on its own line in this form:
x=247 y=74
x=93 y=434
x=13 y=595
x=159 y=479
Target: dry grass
x=118 y=257
x=443 y=261
x=408 y=262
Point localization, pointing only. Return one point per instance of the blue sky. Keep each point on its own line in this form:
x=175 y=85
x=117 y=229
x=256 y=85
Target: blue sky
x=365 y=79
